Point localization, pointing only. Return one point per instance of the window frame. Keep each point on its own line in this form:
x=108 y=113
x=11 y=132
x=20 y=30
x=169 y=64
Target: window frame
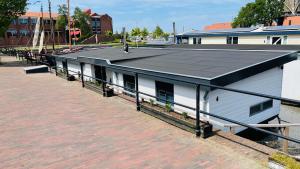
x=260 y=107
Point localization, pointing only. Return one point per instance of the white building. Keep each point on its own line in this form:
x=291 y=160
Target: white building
x=173 y=74
x=273 y=35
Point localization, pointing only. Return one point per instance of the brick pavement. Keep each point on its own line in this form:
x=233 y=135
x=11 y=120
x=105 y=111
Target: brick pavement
x=47 y=122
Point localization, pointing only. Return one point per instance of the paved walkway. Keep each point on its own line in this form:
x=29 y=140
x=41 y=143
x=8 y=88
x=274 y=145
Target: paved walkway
x=47 y=122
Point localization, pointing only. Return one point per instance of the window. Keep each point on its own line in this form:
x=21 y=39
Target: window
x=285 y=38
x=261 y=107
x=268 y=40
x=14 y=22
x=194 y=41
x=23 y=21
x=276 y=40
x=11 y=32
x=33 y=21
x=290 y=22
x=164 y=92
x=24 y=32
x=129 y=84
x=232 y=40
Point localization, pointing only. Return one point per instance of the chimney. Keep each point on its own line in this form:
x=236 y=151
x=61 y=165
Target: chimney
x=174 y=32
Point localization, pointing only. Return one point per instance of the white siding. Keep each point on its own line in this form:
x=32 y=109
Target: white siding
x=293 y=40
x=117 y=78
x=250 y=40
x=237 y=106
x=147 y=86
x=291 y=80
x=191 y=40
x=186 y=95
x=59 y=64
x=214 y=40
x=88 y=70
x=72 y=68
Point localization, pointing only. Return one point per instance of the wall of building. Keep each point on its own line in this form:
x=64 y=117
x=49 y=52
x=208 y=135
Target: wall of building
x=88 y=70
x=186 y=95
x=214 y=40
x=293 y=40
x=236 y=106
x=72 y=68
x=291 y=80
x=251 y=40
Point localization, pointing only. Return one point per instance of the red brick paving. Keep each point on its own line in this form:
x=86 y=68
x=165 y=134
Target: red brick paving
x=47 y=122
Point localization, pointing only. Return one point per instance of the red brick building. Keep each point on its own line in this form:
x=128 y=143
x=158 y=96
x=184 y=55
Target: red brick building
x=21 y=30
x=100 y=24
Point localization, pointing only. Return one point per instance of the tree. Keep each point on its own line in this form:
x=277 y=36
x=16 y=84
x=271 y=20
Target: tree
x=10 y=10
x=109 y=33
x=166 y=35
x=81 y=21
x=135 y=32
x=259 y=12
x=62 y=19
x=144 y=32
x=158 y=32
x=246 y=16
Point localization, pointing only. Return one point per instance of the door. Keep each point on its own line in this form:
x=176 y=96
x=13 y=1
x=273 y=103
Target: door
x=100 y=73
x=164 y=92
x=276 y=40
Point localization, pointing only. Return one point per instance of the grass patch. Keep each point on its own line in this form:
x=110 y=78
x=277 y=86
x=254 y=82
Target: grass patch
x=288 y=162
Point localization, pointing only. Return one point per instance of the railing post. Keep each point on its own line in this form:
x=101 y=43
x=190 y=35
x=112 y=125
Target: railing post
x=138 y=106
x=103 y=81
x=82 y=75
x=55 y=68
x=67 y=70
x=285 y=146
x=198 y=133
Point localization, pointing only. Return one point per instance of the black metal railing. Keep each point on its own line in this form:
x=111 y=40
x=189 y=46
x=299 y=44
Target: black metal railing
x=197 y=108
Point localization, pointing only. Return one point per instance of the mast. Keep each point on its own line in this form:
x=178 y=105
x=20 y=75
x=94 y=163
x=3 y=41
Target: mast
x=52 y=28
x=69 y=25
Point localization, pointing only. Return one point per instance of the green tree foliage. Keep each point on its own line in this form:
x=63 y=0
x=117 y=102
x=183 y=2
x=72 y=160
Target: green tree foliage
x=109 y=33
x=82 y=21
x=158 y=32
x=259 y=12
x=144 y=32
x=136 y=32
x=9 y=10
x=62 y=20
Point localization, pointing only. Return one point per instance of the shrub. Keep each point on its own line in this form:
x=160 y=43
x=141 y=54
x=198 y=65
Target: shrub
x=185 y=115
x=289 y=162
x=151 y=102
x=168 y=107
x=97 y=83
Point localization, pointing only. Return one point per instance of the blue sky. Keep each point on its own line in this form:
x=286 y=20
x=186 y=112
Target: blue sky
x=188 y=14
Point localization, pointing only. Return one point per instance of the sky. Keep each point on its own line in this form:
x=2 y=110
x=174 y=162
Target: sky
x=187 y=14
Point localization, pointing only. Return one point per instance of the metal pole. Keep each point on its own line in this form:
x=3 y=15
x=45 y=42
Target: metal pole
x=67 y=71
x=138 y=106
x=103 y=81
x=198 y=133
x=82 y=75
x=52 y=28
x=69 y=25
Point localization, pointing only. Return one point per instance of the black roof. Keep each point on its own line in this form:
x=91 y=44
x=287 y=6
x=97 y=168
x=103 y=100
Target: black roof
x=216 y=65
